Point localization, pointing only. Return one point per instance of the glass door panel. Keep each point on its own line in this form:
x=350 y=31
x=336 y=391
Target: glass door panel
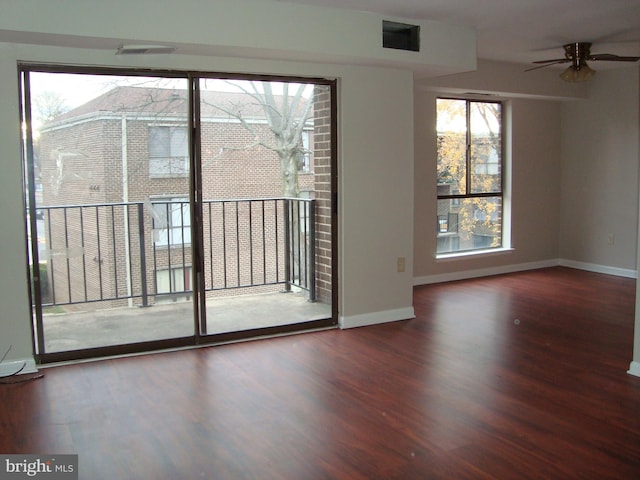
x=265 y=159
x=108 y=206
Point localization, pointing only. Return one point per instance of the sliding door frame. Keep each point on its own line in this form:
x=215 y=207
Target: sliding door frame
x=196 y=213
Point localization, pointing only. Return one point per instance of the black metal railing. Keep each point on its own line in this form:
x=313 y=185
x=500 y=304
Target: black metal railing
x=142 y=251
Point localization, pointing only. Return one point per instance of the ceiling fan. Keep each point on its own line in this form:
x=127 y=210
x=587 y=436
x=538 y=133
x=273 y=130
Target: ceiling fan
x=578 y=53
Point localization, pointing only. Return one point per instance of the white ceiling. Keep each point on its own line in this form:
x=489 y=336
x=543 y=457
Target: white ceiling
x=522 y=31
x=514 y=31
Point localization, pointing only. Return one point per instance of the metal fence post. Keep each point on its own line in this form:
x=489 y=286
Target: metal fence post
x=287 y=245
x=143 y=263
x=312 y=251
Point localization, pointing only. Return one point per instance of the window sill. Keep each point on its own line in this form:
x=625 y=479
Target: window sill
x=472 y=253
x=173 y=246
x=155 y=176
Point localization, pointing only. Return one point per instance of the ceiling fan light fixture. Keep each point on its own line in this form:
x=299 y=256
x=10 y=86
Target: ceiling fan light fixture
x=577 y=54
x=577 y=73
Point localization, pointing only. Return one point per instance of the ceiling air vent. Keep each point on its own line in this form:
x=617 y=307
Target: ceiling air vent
x=400 y=36
x=144 y=49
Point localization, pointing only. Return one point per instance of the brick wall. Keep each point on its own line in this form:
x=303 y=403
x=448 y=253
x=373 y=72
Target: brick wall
x=323 y=194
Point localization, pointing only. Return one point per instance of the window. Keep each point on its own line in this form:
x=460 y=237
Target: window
x=171 y=222
x=168 y=152
x=470 y=175
x=304 y=162
x=173 y=284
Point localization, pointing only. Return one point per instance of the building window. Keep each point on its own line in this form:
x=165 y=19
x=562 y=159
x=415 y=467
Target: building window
x=173 y=284
x=470 y=175
x=171 y=222
x=304 y=163
x=168 y=152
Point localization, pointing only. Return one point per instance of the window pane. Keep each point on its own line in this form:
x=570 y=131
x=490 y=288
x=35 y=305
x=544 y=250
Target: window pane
x=452 y=144
x=485 y=152
x=304 y=165
x=168 y=152
x=171 y=222
x=179 y=142
x=469 y=224
x=159 y=167
x=179 y=166
x=158 y=142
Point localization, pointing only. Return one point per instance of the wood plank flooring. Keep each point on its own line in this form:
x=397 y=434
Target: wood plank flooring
x=520 y=376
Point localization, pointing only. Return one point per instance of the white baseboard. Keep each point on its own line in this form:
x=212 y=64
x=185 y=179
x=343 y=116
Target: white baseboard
x=375 y=318
x=12 y=366
x=593 y=267
x=634 y=369
x=483 y=272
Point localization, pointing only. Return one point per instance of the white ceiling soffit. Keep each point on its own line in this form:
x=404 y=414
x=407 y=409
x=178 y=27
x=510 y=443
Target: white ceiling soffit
x=249 y=28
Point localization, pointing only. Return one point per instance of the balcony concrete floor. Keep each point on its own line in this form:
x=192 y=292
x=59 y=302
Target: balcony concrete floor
x=117 y=326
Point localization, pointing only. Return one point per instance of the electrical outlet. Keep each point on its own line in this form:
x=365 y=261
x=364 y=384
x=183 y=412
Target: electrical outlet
x=401 y=264
x=611 y=239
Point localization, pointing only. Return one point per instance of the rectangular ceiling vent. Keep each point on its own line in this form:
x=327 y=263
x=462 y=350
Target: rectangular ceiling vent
x=144 y=49
x=400 y=36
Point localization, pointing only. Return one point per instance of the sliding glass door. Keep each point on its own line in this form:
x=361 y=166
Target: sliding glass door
x=174 y=209
x=265 y=168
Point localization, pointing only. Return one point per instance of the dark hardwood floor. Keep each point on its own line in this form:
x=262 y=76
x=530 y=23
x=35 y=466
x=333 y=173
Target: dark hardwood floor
x=520 y=376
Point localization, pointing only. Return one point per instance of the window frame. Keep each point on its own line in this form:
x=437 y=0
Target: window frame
x=469 y=169
x=327 y=288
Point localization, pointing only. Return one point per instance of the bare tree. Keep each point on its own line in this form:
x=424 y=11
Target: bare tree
x=286 y=115
x=49 y=105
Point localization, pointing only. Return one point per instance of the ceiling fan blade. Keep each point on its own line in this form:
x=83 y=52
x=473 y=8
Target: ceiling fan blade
x=547 y=64
x=555 y=60
x=613 y=58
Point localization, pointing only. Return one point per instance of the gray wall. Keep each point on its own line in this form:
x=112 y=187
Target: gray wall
x=599 y=189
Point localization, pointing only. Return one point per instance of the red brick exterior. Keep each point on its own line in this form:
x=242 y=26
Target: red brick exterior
x=323 y=194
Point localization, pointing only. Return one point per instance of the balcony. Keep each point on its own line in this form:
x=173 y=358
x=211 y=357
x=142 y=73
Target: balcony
x=98 y=261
